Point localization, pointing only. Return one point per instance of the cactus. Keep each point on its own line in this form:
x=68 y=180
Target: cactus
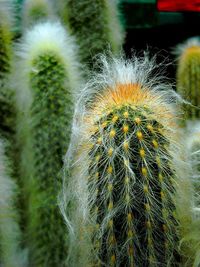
x=10 y=234
x=188 y=75
x=35 y=11
x=123 y=184
x=45 y=102
x=96 y=26
x=7 y=109
x=187 y=201
x=192 y=146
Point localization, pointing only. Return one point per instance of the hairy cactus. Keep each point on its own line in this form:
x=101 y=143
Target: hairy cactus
x=35 y=11
x=192 y=146
x=123 y=184
x=10 y=235
x=96 y=26
x=188 y=198
x=188 y=75
x=45 y=101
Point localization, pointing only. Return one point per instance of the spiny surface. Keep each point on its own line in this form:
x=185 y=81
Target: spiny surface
x=50 y=125
x=188 y=80
x=91 y=22
x=131 y=188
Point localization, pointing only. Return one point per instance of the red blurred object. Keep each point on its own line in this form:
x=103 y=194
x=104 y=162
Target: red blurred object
x=178 y=5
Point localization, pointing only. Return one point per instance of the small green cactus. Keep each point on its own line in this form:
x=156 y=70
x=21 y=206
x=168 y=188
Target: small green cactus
x=123 y=184
x=11 y=254
x=188 y=75
x=35 y=11
x=45 y=101
x=96 y=26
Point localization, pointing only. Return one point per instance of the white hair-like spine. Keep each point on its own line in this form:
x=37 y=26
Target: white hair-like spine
x=48 y=73
x=181 y=48
x=192 y=146
x=43 y=38
x=79 y=160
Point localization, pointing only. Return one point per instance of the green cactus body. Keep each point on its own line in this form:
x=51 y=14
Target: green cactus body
x=36 y=11
x=45 y=129
x=96 y=27
x=10 y=235
x=188 y=78
x=126 y=200
x=50 y=120
x=131 y=175
x=7 y=108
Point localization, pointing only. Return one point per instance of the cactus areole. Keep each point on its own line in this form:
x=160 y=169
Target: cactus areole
x=130 y=181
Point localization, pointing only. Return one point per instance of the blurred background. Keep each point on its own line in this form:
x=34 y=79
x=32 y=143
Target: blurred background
x=159 y=25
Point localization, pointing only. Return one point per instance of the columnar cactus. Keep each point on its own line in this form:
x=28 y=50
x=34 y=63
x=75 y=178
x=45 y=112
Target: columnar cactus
x=45 y=101
x=192 y=141
x=35 y=11
x=188 y=200
x=6 y=95
x=188 y=75
x=96 y=26
x=123 y=184
x=10 y=235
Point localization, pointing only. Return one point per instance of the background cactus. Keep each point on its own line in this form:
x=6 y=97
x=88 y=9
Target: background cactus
x=7 y=107
x=123 y=184
x=45 y=102
x=188 y=75
x=35 y=11
x=10 y=234
x=192 y=146
x=95 y=24
x=187 y=202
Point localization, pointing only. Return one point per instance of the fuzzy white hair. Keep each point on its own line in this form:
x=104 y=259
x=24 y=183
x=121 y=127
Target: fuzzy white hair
x=192 y=146
x=43 y=38
x=115 y=28
x=193 y=133
x=189 y=195
x=180 y=48
x=10 y=235
x=114 y=71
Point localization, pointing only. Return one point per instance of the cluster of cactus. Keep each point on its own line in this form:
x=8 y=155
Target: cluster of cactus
x=126 y=198
x=188 y=76
x=95 y=25
x=123 y=180
x=45 y=104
